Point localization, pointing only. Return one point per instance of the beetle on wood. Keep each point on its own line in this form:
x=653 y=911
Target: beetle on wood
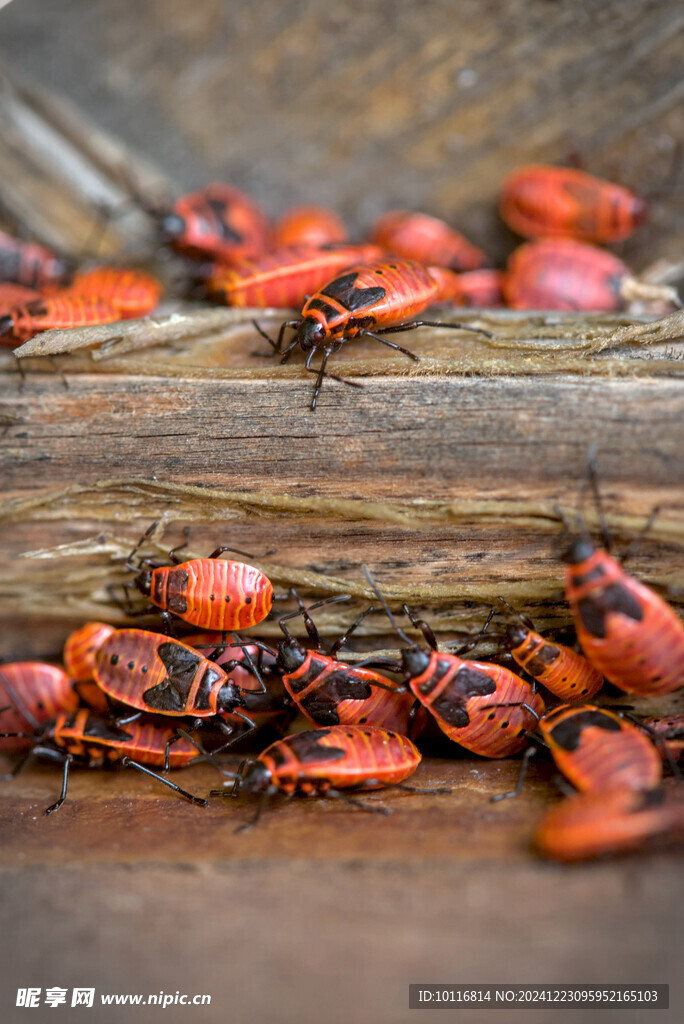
x=327 y=762
x=210 y=593
x=86 y=738
x=368 y=301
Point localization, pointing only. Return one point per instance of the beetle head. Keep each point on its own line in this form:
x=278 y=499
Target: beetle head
x=257 y=778
x=414 y=661
x=143 y=582
x=579 y=549
x=310 y=333
x=291 y=654
x=516 y=634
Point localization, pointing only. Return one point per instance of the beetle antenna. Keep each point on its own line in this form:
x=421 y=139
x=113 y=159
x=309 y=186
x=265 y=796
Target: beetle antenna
x=395 y=625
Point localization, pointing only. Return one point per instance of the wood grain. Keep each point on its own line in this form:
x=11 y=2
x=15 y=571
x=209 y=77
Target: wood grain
x=446 y=485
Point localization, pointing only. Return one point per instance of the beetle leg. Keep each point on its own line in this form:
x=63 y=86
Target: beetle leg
x=413 y=324
x=127 y=719
x=341 y=641
x=529 y=753
x=18 y=766
x=67 y=759
x=172 y=553
x=336 y=794
x=259 y=811
x=281 y=333
x=390 y=344
x=237 y=551
x=422 y=789
x=127 y=762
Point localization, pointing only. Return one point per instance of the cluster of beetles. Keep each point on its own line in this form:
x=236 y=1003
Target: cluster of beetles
x=411 y=261
x=151 y=700
x=155 y=701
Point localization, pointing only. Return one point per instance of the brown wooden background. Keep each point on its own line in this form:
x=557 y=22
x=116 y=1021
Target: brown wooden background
x=370 y=106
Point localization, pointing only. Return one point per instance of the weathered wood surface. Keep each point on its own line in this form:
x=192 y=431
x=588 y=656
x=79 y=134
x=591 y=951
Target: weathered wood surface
x=443 y=479
x=321 y=913
x=369 y=107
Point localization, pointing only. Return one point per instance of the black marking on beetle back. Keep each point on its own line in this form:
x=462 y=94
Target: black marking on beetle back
x=594 y=608
x=545 y=656
x=180 y=662
x=172 y=693
x=361 y=322
x=568 y=733
x=342 y=289
x=328 y=311
x=96 y=728
x=36 y=308
x=315 y=667
x=443 y=666
x=467 y=682
x=276 y=754
x=165 y=697
x=579 y=579
x=222 y=210
x=306 y=746
x=177 y=591
x=323 y=700
x=204 y=689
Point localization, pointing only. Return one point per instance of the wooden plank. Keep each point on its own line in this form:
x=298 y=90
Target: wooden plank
x=445 y=483
x=352 y=906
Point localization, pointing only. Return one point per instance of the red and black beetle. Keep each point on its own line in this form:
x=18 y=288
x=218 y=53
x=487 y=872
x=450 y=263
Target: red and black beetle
x=609 y=821
x=152 y=672
x=31 y=694
x=557 y=667
x=210 y=593
x=327 y=762
x=483 y=707
x=86 y=738
x=628 y=633
x=368 y=301
x=29 y=264
x=539 y=201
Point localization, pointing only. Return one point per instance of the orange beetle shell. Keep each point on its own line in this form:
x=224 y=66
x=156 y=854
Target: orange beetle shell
x=12 y=295
x=561 y=274
x=156 y=673
x=309 y=225
x=542 y=201
x=316 y=684
x=213 y=593
x=23 y=322
x=81 y=648
x=477 y=704
x=132 y=292
x=340 y=757
x=34 y=687
x=417 y=236
x=610 y=821
x=560 y=669
x=99 y=740
x=218 y=222
x=625 y=629
x=370 y=295
x=596 y=749
x=670 y=729
x=283 y=277
x=30 y=264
